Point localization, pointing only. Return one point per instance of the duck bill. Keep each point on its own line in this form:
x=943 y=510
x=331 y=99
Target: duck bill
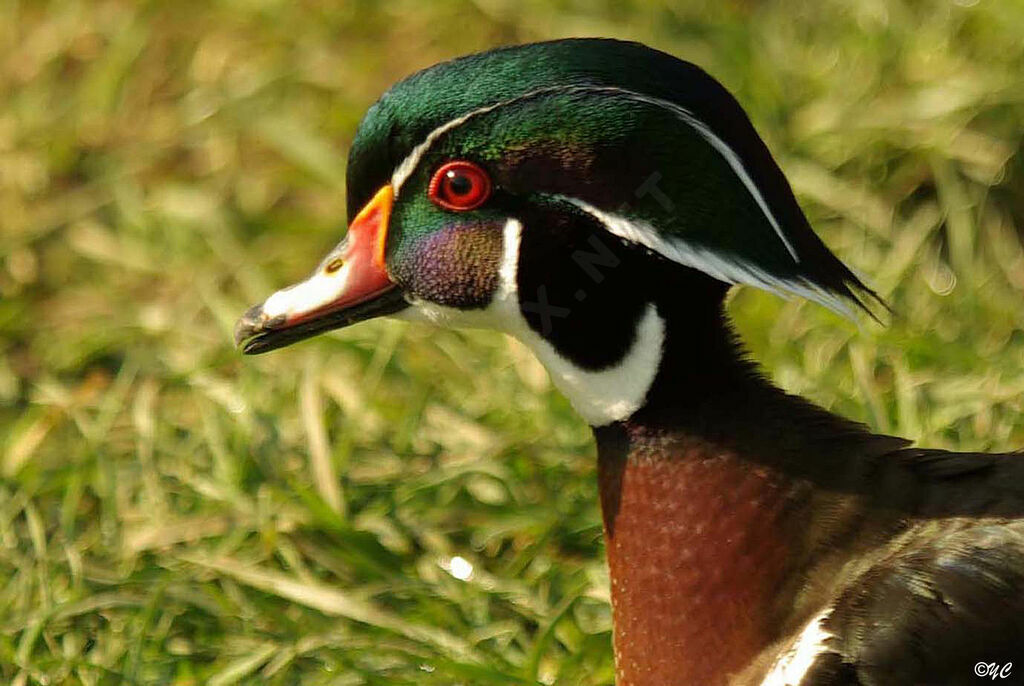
x=350 y=285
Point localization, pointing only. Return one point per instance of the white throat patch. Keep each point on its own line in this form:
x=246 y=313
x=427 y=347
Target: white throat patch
x=600 y=397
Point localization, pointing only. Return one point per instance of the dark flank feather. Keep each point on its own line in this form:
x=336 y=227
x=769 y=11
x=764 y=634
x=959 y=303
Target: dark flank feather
x=940 y=603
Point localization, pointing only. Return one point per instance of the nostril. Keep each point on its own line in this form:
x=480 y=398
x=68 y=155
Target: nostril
x=334 y=265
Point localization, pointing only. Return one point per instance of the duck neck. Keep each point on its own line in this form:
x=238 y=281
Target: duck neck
x=705 y=503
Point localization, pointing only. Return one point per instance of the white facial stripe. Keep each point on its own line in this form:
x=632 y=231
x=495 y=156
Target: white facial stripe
x=405 y=169
x=600 y=397
x=791 y=667
x=730 y=156
x=721 y=267
x=409 y=164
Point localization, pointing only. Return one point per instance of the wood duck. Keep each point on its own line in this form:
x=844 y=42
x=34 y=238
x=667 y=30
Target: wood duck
x=597 y=199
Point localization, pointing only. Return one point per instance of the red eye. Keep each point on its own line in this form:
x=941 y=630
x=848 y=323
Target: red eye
x=460 y=186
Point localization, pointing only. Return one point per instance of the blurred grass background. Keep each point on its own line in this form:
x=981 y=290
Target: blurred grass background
x=391 y=504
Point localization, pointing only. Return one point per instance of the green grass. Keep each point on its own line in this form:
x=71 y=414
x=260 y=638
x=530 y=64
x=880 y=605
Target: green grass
x=171 y=512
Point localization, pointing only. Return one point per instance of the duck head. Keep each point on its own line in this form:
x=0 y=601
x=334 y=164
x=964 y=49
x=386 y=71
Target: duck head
x=581 y=195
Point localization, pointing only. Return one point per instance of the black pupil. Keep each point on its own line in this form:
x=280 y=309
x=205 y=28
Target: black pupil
x=459 y=184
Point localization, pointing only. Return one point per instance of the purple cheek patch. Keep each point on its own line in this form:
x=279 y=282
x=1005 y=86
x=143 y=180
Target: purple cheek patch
x=456 y=266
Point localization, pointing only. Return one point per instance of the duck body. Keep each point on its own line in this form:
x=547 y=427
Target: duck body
x=747 y=527
x=596 y=200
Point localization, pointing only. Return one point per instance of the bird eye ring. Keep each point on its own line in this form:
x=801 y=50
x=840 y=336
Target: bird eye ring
x=459 y=186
